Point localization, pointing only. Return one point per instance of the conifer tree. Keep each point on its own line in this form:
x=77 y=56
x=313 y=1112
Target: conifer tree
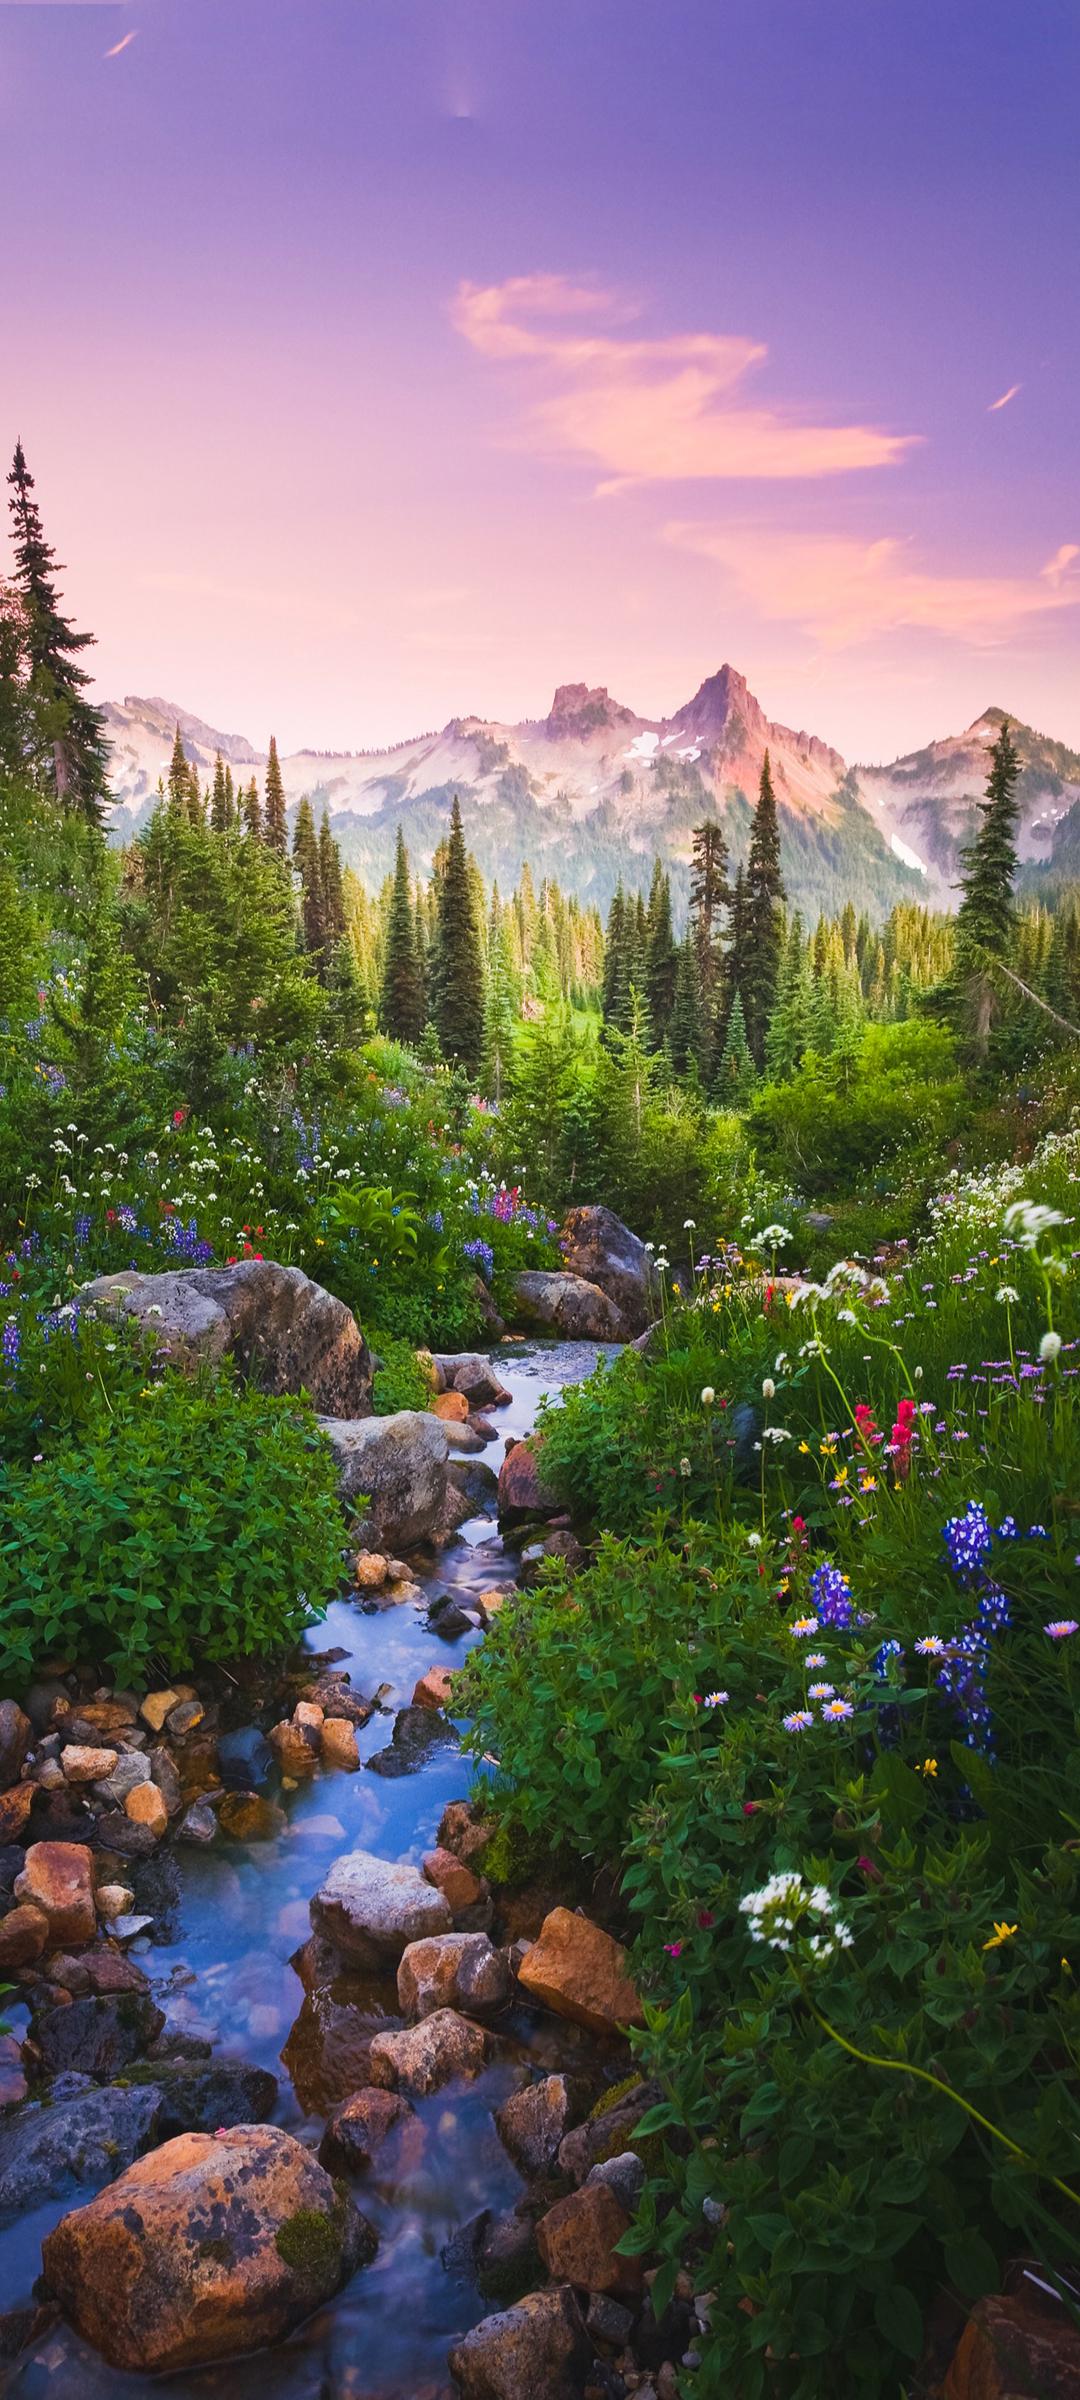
x=615 y=989
x=401 y=1000
x=195 y=810
x=986 y=917
x=764 y=897
x=275 y=821
x=69 y=732
x=788 y=1035
x=458 y=968
x=252 y=812
x=230 y=797
x=499 y=1019
x=661 y=962
x=710 y=894
x=686 y=1037
x=16 y=712
x=177 y=784
x=307 y=862
x=735 y=1073
x=333 y=882
x=219 y=813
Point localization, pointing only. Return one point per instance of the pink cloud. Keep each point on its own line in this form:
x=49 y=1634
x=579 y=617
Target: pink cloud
x=846 y=592
x=650 y=411
x=1013 y=389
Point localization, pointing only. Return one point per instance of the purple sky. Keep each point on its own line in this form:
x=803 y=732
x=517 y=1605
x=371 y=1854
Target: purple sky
x=381 y=360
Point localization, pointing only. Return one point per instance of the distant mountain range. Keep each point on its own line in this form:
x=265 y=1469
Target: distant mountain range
x=592 y=793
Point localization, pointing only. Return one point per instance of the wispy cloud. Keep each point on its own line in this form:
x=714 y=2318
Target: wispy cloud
x=123 y=44
x=1013 y=389
x=845 y=592
x=646 y=410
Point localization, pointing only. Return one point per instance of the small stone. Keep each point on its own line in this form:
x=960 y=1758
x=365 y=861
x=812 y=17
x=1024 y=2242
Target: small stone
x=157 y=1706
x=1011 y=2351
x=145 y=1806
x=131 y=1767
x=244 y=1758
x=493 y=1597
x=451 y=1405
x=452 y=1970
x=434 y=1688
x=308 y=1717
x=198 y=1825
x=533 y=2122
x=50 y=1775
x=426 y=2056
x=371 y=1570
x=184 y=1719
x=57 y=1879
x=248 y=1817
x=337 y=1744
x=163 y=1770
x=16 y=1734
x=295 y=1754
x=580 y=1972
x=578 y=2237
x=15 y=1807
x=457 y=1882
x=463 y=1831
x=24 y=1933
x=608 y=2321
x=371 y=1908
x=118 y=1832
x=625 y=2176
x=359 y=2129
x=540 y=2347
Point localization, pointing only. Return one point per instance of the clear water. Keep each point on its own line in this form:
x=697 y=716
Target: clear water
x=244 y=1912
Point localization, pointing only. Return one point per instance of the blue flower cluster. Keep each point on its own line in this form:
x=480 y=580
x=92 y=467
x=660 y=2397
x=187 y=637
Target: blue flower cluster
x=830 y=1594
x=968 y=1540
x=482 y=1256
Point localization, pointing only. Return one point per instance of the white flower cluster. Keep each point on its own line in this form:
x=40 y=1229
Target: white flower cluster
x=845 y=1276
x=1028 y=1220
x=787 y=1910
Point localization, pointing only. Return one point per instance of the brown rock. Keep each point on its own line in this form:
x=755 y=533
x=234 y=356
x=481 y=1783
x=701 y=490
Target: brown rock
x=536 y=2351
x=371 y=1908
x=577 y=2242
x=451 y=1405
x=286 y=1332
x=295 y=1754
x=13 y=2085
x=452 y=1970
x=456 y=1881
x=599 y=1247
x=157 y=1706
x=213 y=2245
x=163 y=1770
x=16 y=1735
x=145 y=1805
x=533 y=2122
x=579 y=1971
x=361 y=2127
x=247 y=1817
x=434 y=1688
x=464 y=1832
x=23 y=1935
x=522 y=1490
x=58 y=1879
x=185 y=1718
x=15 y=1806
x=337 y=1744
x=114 y=1900
x=1012 y=2351
x=425 y=2056
x=370 y=1570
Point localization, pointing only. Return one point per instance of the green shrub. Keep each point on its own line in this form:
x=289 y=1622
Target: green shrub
x=400 y=1381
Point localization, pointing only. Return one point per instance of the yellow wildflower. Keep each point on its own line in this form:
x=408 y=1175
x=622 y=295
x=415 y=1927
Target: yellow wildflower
x=1001 y=1933
x=928 y=1767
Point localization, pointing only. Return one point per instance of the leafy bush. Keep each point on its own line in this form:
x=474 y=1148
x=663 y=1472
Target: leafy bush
x=400 y=1381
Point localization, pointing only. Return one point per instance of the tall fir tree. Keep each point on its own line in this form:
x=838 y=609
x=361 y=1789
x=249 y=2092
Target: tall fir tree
x=986 y=917
x=764 y=901
x=307 y=863
x=69 y=732
x=686 y=1037
x=401 y=999
x=710 y=895
x=251 y=811
x=219 y=801
x=615 y=988
x=500 y=1017
x=661 y=959
x=275 y=821
x=178 y=783
x=333 y=883
x=458 y=967
x=16 y=709
x=735 y=1071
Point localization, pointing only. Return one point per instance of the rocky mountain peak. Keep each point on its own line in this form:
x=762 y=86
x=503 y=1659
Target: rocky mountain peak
x=579 y=709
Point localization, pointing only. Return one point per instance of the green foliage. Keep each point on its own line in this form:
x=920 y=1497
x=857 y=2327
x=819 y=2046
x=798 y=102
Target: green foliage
x=400 y=1381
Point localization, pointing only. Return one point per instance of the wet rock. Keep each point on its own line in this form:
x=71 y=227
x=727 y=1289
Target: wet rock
x=577 y=2241
x=507 y=2262
x=398 y=1464
x=226 y=2091
x=83 y=1765
x=452 y=1970
x=13 y=2084
x=609 y=2321
x=97 y=2036
x=58 y=1879
x=130 y=1768
x=24 y=1933
x=624 y=2175
x=245 y=1759
x=156 y=1707
x=361 y=2128
x=114 y=1900
x=464 y=1832
x=118 y=1832
x=476 y=1481
x=328 y=2051
x=417 y=1731
x=533 y=2122
x=470 y=1372
x=198 y=1825
x=459 y=1885
x=599 y=1247
x=1012 y=2351
x=47 y=1703
x=448 y=1616
x=568 y=1304
x=285 y=1331
x=15 y=1807
x=580 y=1972
x=212 y=2246
x=608 y=2132
x=16 y=1734
x=425 y=2056
x=523 y=1494
x=248 y=1817
x=295 y=1748
x=337 y=1745
x=108 y=1970
x=47 y=2150
x=434 y=1688
x=184 y=1719
x=145 y=1805
x=451 y=1406
x=159 y=1891
x=371 y=1909
x=465 y=1442
x=163 y=1770
x=370 y=1570
x=540 y=2346
x=332 y=1694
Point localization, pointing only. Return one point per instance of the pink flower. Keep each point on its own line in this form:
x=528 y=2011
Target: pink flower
x=674 y=1949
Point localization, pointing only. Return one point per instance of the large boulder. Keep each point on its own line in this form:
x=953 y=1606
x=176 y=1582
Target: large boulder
x=371 y=1909
x=468 y=1371
x=58 y=1879
x=1012 y=2350
x=578 y=2238
x=579 y=1971
x=452 y=1970
x=442 y=2048
x=47 y=2150
x=567 y=1304
x=540 y=2346
x=284 y=1330
x=398 y=1465
x=523 y=1494
x=597 y=1246
x=213 y=2245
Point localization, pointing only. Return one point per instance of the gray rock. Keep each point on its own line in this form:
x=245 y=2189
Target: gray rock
x=467 y=1371
x=285 y=1331
x=417 y=1732
x=371 y=1908
x=533 y=2122
x=245 y=1759
x=452 y=1970
x=198 y=1825
x=398 y=1465
x=475 y=1480
x=16 y=1734
x=425 y=2056
x=608 y=2321
x=540 y=2346
x=570 y=1304
x=81 y=2141
x=626 y=2176
x=97 y=2036
x=131 y=1768
x=598 y=1246
x=226 y=2091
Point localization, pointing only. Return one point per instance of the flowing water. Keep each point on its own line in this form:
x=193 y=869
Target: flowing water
x=224 y=1973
